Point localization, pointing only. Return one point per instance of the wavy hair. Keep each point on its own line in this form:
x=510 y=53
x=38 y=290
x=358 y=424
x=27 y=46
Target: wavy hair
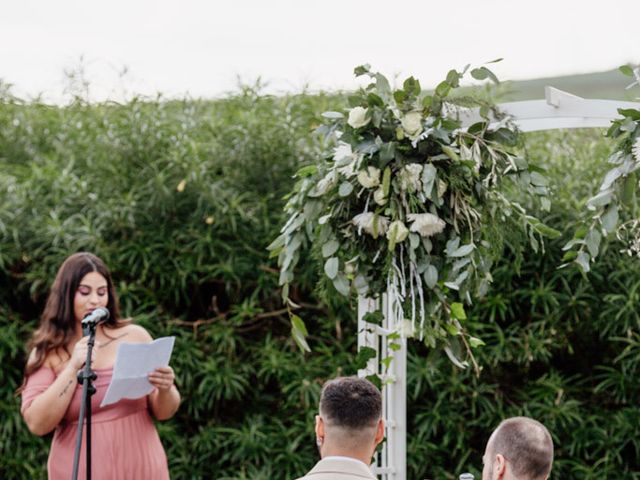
x=58 y=323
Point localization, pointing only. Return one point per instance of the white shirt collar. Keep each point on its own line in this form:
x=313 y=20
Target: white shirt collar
x=340 y=457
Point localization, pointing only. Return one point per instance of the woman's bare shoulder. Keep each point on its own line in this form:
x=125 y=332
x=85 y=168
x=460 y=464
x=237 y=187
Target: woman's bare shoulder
x=52 y=359
x=133 y=332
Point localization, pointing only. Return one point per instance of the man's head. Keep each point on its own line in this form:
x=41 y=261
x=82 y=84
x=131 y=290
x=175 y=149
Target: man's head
x=519 y=449
x=350 y=419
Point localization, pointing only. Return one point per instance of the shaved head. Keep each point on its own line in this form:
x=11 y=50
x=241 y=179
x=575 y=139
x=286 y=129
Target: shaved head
x=526 y=446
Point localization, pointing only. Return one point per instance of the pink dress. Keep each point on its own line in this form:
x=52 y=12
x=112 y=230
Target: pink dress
x=124 y=440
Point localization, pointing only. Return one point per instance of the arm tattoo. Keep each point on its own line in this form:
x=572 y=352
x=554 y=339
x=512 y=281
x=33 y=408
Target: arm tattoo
x=113 y=340
x=66 y=388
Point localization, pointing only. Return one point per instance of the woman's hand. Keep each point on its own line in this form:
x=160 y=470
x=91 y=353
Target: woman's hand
x=79 y=354
x=162 y=378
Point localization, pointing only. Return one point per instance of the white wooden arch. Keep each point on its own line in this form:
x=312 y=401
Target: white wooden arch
x=559 y=110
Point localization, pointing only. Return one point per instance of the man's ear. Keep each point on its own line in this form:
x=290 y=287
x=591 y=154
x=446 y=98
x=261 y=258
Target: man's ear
x=500 y=466
x=379 y=432
x=319 y=427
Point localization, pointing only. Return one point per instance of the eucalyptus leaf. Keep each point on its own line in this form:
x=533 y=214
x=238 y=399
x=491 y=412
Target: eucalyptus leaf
x=443 y=89
x=277 y=244
x=583 y=261
x=331 y=267
x=414 y=240
x=299 y=333
x=330 y=248
x=538 y=179
x=601 y=199
x=454 y=359
x=387 y=151
x=429 y=173
x=341 y=283
x=573 y=242
x=452 y=245
x=609 y=218
x=431 y=276
x=345 y=189
x=593 y=242
x=462 y=251
x=611 y=176
x=383 y=87
x=628 y=125
x=361 y=285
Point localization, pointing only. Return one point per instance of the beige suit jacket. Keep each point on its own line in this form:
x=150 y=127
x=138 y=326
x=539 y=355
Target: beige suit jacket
x=339 y=469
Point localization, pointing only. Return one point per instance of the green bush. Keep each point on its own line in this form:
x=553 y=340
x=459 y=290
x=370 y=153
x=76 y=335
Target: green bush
x=180 y=198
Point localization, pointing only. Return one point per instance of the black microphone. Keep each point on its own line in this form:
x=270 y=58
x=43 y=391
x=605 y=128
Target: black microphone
x=96 y=317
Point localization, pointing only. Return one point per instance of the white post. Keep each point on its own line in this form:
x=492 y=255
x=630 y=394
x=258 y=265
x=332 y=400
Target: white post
x=391 y=463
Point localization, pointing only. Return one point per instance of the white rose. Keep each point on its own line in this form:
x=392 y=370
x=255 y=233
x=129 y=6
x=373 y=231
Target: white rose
x=372 y=224
x=369 y=178
x=426 y=224
x=412 y=124
x=407 y=329
x=378 y=197
x=410 y=177
x=342 y=153
x=397 y=232
x=358 y=117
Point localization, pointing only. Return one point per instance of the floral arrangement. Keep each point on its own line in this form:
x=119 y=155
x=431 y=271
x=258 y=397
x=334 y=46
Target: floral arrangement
x=409 y=204
x=617 y=193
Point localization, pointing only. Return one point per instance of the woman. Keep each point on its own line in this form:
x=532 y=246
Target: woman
x=125 y=443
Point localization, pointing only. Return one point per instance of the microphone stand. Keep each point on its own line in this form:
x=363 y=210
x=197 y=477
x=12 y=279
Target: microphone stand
x=86 y=376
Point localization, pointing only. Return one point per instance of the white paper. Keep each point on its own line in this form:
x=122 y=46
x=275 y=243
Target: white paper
x=134 y=361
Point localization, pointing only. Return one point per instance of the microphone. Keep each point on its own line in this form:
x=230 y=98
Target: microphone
x=96 y=317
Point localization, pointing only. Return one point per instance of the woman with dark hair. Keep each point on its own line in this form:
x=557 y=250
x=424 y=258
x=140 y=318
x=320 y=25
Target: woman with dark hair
x=124 y=438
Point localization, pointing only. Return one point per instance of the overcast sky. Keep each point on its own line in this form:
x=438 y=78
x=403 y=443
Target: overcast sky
x=201 y=48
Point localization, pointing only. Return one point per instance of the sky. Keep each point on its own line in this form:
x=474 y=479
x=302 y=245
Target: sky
x=204 y=49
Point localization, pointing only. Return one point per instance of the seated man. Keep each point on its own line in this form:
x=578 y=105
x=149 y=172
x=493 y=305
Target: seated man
x=519 y=449
x=348 y=429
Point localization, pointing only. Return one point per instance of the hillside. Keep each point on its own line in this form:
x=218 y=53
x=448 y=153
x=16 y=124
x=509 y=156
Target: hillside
x=606 y=85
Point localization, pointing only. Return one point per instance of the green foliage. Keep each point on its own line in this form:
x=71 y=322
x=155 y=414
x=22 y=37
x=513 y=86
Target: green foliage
x=192 y=263
x=614 y=209
x=179 y=198
x=403 y=201
x=560 y=347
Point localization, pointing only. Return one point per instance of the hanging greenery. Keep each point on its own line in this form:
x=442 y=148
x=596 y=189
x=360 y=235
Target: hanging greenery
x=617 y=194
x=409 y=204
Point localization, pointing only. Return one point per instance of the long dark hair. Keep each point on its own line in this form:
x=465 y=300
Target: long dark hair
x=57 y=322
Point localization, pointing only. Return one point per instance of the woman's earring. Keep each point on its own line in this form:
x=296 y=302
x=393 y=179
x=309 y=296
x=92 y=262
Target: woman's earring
x=319 y=441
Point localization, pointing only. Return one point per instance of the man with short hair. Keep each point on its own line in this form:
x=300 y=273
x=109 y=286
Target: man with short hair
x=519 y=449
x=349 y=427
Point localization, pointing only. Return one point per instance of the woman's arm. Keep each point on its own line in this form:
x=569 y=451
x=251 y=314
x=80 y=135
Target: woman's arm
x=47 y=409
x=165 y=400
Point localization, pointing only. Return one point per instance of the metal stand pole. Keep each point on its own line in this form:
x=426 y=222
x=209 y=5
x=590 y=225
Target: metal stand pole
x=85 y=376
